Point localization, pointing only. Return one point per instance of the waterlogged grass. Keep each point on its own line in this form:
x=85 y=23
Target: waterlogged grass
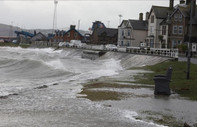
x=94 y=95
x=14 y=45
x=179 y=83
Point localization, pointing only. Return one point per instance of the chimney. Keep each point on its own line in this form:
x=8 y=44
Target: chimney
x=147 y=14
x=35 y=32
x=171 y=4
x=182 y=1
x=72 y=26
x=188 y=2
x=141 y=16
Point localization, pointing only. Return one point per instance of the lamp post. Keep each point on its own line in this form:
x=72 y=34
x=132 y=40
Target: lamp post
x=55 y=16
x=120 y=16
x=189 y=43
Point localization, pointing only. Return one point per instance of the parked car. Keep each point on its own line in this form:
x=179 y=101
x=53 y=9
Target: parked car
x=75 y=43
x=60 y=44
x=111 y=47
x=63 y=44
x=14 y=41
x=82 y=45
x=66 y=44
x=71 y=45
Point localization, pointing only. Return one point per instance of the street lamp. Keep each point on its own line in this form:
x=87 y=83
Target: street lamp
x=120 y=16
x=189 y=43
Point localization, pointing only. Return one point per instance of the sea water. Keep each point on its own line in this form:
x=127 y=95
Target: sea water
x=39 y=87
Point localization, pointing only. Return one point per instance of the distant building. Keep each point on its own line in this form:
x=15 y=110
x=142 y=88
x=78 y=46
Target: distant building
x=39 y=37
x=97 y=24
x=63 y=36
x=132 y=32
x=59 y=36
x=87 y=38
x=7 y=39
x=24 y=37
x=103 y=36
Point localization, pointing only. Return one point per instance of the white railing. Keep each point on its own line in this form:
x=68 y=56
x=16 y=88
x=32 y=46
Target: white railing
x=136 y=50
x=154 y=51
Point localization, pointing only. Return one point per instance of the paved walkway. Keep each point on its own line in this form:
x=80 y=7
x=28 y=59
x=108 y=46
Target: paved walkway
x=193 y=60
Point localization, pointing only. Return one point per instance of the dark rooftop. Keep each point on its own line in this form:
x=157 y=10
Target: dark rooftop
x=139 y=25
x=109 y=31
x=161 y=12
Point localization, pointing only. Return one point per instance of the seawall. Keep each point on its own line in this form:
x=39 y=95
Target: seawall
x=127 y=60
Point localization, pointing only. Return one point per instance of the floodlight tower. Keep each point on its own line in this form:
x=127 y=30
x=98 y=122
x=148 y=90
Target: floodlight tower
x=55 y=16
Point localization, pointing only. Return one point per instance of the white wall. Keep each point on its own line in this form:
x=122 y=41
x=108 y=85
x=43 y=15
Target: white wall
x=140 y=36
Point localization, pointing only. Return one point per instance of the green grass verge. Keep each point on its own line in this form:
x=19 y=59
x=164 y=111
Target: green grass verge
x=14 y=45
x=179 y=84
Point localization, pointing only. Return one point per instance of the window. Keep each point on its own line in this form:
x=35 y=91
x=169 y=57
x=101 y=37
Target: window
x=152 y=19
x=75 y=35
x=123 y=33
x=174 y=29
x=122 y=43
x=68 y=34
x=163 y=30
x=179 y=42
x=151 y=29
x=180 y=17
x=180 y=29
x=151 y=43
x=176 y=17
x=174 y=44
x=129 y=33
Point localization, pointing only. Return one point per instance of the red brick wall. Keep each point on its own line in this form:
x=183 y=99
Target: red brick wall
x=72 y=35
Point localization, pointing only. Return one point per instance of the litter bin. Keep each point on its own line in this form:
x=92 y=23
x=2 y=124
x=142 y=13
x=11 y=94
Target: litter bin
x=162 y=83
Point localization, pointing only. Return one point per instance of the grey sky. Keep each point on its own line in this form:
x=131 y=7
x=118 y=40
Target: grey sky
x=33 y=14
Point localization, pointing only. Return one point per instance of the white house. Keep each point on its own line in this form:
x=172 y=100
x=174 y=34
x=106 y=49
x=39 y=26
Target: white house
x=132 y=32
x=157 y=15
x=122 y=32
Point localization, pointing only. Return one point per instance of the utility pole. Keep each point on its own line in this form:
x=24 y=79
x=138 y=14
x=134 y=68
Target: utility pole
x=189 y=43
x=108 y=23
x=78 y=24
x=55 y=16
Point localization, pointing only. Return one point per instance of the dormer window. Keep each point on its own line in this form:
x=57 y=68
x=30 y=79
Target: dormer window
x=176 y=17
x=152 y=19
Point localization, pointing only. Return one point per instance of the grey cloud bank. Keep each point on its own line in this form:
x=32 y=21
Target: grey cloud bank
x=33 y=14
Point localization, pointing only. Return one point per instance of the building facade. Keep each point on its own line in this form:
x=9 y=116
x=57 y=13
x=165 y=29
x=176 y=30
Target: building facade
x=132 y=32
x=71 y=34
x=103 y=36
x=168 y=27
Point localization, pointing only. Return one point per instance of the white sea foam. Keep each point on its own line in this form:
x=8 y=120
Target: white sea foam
x=56 y=64
x=132 y=116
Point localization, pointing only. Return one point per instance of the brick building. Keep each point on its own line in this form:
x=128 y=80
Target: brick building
x=71 y=34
